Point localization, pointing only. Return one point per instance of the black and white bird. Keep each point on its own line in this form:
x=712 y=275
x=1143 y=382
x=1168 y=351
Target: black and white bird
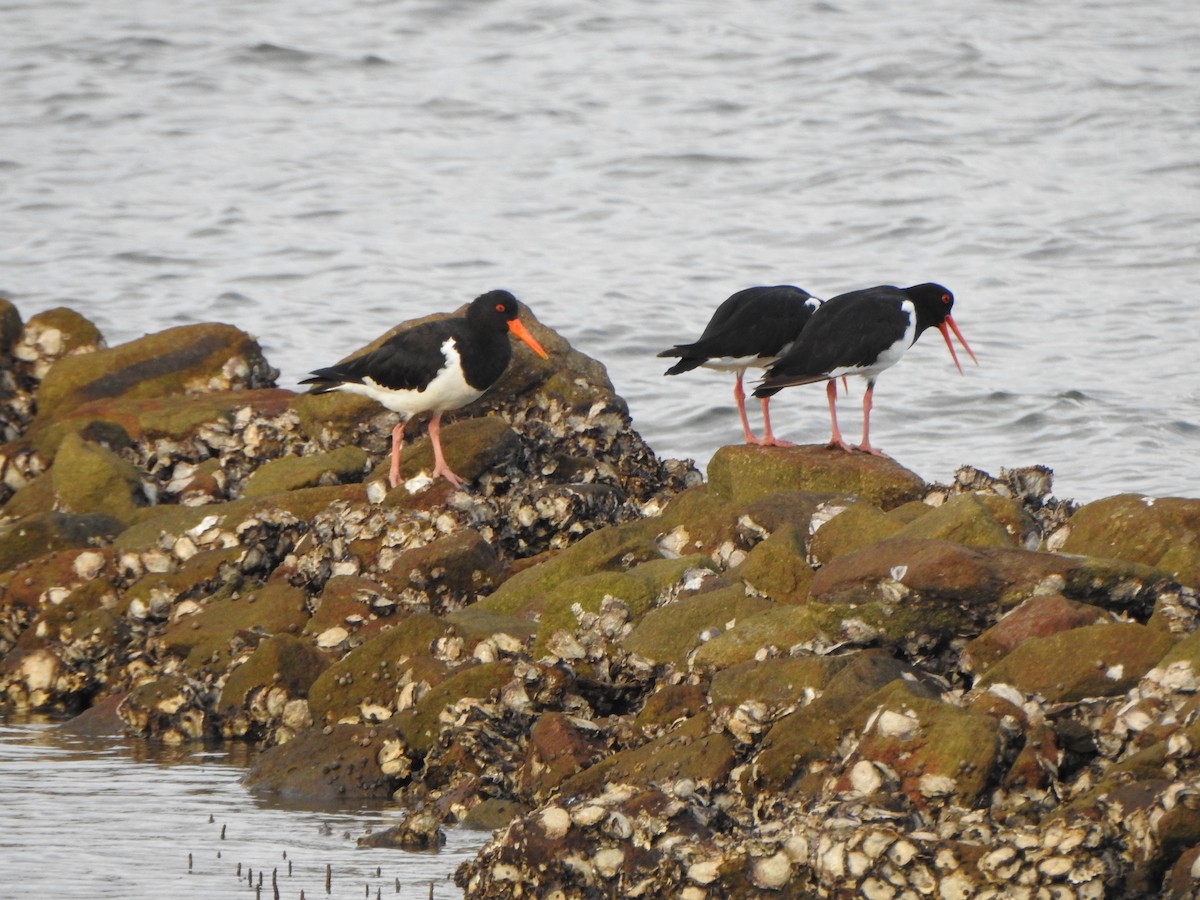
x=433 y=367
x=862 y=333
x=753 y=327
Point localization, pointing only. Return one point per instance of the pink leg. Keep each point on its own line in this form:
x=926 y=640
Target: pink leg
x=865 y=446
x=439 y=461
x=739 y=394
x=836 y=439
x=769 y=439
x=397 y=446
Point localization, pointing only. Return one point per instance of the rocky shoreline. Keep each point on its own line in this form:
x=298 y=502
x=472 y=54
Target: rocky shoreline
x=802 y=673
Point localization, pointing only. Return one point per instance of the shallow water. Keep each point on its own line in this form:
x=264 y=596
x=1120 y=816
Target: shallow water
x=316 y=177
x=88 y=818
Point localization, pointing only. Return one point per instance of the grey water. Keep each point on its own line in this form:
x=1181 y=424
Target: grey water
x=89 y=818
x=316 y=172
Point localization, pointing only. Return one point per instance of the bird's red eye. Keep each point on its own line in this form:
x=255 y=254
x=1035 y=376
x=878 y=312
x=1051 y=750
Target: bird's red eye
x=945 y=298
x=500 y=307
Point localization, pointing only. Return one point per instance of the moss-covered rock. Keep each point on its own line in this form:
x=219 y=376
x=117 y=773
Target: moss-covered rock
x=233 y=620
x=10 y=326
x=608 y=550
x=669 y=634
x=1090 y=661
x=747 y=473
x=291 y=472
x=51 y=335
x=858 y=525
x=91 y=480
x=28 y=538
x=419 y=725
x=778 y=567
x=970 y=519
x=937 y=751
x=187 y=359
x=373 y=673
x=775 y=682
x=1163 y=533
x=636 y=588
x=692 y=751
x=281 y=669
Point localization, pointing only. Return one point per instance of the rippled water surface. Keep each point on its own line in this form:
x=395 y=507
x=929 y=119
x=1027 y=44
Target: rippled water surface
x=97 y=818
x=317 y=172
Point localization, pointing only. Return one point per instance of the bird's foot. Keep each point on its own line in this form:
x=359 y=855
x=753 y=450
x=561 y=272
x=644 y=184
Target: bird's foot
x=874 y=451
x=445 y=472
x=840 y=445
x=774 y=442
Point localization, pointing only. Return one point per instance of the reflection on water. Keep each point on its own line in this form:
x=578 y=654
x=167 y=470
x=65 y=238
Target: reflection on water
x=112 y=817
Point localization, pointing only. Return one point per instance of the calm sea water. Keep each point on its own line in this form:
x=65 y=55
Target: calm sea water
x=315 y=172
x=115 y=819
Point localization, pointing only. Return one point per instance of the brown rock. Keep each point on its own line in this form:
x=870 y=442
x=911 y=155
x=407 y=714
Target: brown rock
x=336 y=763
x=557 y=749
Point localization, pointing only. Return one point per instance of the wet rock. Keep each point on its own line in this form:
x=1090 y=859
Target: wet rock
x=420 y=830
x=973 y=520
x=420 y=723
x=334 y=763
x=746 y=473
x=265 y=698
x=1163 y=533
x=172 y=708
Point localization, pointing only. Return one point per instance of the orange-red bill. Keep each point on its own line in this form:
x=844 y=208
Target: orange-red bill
x=515 y=326
x=958 y=334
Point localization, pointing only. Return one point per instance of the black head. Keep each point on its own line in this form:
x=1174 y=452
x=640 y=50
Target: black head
x=495 y=310
x=498 y=311
x=933 y=303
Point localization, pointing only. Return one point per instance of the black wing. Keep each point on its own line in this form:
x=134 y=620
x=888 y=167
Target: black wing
x=405 y=361
x=849 y=330
x=757 y=321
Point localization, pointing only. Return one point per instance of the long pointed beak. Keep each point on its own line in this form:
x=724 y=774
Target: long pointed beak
x=958 y=334
x=515 y=326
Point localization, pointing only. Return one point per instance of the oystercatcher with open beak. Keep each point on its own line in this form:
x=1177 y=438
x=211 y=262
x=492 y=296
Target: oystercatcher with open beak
x=433 y=367
x=863 y=333
x=753 y=327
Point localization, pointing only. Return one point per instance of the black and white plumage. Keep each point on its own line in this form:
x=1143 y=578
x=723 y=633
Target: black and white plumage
x=433 y=367
x=752 y=328
x=863 y=333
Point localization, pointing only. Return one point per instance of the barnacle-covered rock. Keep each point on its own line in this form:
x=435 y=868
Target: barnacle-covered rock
x=333 y=763
x=1159 y=532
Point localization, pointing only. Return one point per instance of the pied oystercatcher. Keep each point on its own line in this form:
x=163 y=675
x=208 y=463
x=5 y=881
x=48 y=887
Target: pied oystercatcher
x=433 y=367
x=753 y=327
x=863 y=333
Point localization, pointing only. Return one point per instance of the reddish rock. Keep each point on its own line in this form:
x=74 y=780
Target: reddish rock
x=337 y=763
x=1036 y=617
x=557 y=749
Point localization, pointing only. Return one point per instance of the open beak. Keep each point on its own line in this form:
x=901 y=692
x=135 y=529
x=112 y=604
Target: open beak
x=515 y=326
x=958 y=334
